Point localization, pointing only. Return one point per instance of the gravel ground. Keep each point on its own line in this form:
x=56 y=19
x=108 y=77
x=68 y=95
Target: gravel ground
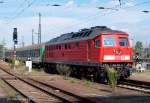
x=141 y=76
x=2 y=93
x=7 y=95
x=97 y=92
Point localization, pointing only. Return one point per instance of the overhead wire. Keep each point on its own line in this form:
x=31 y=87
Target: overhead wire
x=31 y=3
x=18 y=8
x=85 y=21
x=137 y=4
x=94 y=17
x=21 y=5
x=23 y=9
x=79 y=23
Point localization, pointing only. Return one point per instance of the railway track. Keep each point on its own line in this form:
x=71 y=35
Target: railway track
x=32 y=94
x=37 y=92
x=141 y=86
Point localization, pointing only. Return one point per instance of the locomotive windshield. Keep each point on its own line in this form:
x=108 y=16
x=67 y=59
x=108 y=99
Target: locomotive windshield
x=123 y=41
x=109 y=41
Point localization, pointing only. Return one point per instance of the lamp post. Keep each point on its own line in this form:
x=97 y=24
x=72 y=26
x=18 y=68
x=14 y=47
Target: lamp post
x=53 y=5
x=132 y=42
x=145 y=11
x=33 y=37
x=39 y=29
x=1 y=2
x=56 y=5
x=102 y=8
x=146 y=48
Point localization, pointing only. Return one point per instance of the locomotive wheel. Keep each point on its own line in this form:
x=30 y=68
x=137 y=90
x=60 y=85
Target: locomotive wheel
x=100 y=75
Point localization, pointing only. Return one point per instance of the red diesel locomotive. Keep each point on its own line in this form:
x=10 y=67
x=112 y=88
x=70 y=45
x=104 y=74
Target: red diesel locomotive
x=91 y=52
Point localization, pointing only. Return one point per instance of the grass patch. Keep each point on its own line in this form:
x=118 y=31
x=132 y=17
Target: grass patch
x=88 y=83
x=9 y=91
x=36 y=71
x=72 y=80
x=147 y=72
x=52 y=79
x=21 y=69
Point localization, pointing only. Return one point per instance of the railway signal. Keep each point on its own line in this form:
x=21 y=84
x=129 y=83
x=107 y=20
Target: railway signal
x=15 y=43
x=15 y=36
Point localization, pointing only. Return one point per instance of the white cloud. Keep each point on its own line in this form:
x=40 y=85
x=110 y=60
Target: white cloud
x=71 y=17
x=128 y=4
x=113 y=3
x=125 y=16
x=51 y=27
x=71 y=4
x=116 y=4
x=94 y=1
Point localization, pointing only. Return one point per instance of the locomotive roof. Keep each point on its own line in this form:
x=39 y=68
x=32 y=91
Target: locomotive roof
x=83 y=34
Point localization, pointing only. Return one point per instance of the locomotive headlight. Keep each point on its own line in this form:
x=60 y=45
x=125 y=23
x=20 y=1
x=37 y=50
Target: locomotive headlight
x=113 y=57
x=126 y=57
x=109 y=57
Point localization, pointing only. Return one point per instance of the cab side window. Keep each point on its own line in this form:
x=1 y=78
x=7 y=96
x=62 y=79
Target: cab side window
x=97 y=43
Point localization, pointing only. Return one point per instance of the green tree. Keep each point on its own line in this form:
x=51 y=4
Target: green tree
x=138 y=47
x=64 y=70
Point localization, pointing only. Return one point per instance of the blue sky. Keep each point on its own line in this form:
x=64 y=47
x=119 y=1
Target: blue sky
x=72 y=16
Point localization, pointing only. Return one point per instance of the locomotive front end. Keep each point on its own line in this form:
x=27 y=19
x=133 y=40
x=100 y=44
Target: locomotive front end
x=117 y=53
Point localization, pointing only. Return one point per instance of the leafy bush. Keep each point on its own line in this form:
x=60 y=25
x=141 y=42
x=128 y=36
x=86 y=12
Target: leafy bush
x=12 y=63
x=88 y=83
x=112 y=78
x=63 y=70
x=15 y=63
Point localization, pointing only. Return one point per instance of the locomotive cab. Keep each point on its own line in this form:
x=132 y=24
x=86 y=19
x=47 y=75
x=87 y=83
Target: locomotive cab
x=117 y=53
x=116 y=48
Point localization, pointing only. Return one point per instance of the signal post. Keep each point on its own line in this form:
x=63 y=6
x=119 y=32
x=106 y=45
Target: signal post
x=15 y=43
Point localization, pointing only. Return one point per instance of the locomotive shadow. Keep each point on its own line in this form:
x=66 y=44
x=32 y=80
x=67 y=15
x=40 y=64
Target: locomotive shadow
x=121 y=99
x=10 y=100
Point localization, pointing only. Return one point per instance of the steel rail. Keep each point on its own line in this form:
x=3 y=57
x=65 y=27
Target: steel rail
x=137 y=85
x=81 y=99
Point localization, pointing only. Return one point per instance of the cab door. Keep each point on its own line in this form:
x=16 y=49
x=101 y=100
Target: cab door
x=96 y=49
x=93 y=50
x=89 y=44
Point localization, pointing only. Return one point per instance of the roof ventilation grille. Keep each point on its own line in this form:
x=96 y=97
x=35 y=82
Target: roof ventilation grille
x=100 y=27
